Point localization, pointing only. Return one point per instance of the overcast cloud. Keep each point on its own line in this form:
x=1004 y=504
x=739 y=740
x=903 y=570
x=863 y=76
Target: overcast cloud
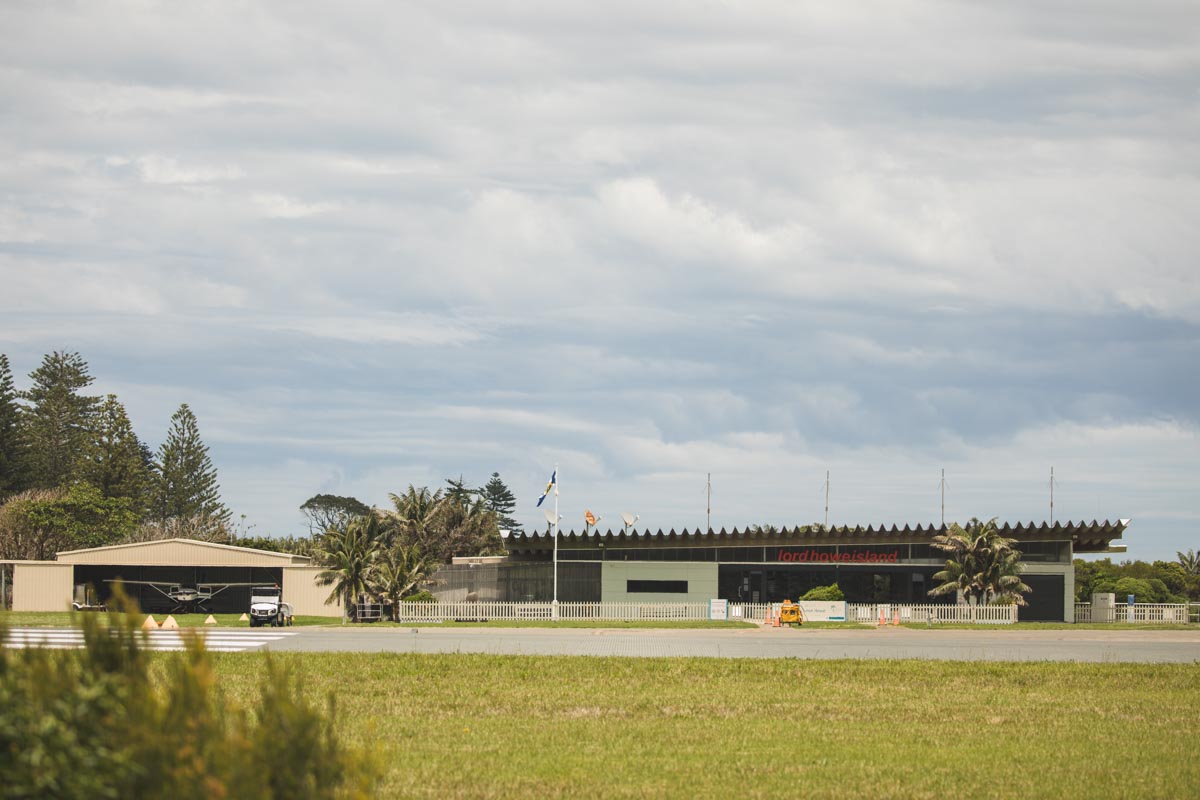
x=645 y=241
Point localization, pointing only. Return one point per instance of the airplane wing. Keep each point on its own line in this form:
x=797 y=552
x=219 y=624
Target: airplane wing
x=217 y=588
x=162 y=587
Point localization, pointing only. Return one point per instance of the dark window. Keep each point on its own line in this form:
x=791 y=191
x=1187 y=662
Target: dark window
x=579 y=555
x=1042 y=551
x=657 y=587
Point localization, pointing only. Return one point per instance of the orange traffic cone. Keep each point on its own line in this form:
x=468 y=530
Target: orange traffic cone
x=896 y=618
x=882 y=618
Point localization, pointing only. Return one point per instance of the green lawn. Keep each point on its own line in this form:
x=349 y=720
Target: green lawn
x=500 y=726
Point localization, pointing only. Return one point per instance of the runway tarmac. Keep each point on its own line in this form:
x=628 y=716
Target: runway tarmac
x=887 y=643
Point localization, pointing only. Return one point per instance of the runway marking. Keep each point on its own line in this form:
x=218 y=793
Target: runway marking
x=215 y=641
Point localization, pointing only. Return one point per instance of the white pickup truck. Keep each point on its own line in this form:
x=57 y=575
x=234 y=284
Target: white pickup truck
x=267 y=607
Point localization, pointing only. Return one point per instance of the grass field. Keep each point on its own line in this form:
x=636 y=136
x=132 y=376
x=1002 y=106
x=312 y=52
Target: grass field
x=492 y=726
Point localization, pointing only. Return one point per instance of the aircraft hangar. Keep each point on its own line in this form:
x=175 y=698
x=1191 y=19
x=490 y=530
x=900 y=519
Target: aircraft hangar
x=158 y=574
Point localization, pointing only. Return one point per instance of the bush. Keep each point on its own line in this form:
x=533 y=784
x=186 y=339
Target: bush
x=423 y=596
x=107 y=721
x=831 y=592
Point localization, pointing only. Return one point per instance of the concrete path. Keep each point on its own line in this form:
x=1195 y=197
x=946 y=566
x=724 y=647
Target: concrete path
x=899 y=643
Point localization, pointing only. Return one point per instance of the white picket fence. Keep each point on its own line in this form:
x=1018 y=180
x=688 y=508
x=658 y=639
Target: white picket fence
x=932 y=613
x=1150 y=613
x=681 y=612
x=612 y=612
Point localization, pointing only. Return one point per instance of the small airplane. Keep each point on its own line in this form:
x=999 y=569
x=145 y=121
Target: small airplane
x=187 y=599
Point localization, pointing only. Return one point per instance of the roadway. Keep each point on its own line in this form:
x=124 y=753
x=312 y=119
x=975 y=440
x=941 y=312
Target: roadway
x=1178 y=646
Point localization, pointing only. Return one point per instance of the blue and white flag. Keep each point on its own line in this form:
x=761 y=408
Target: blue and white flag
x=553 y=484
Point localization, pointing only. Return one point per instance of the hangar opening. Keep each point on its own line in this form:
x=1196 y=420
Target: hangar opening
x=219 y=590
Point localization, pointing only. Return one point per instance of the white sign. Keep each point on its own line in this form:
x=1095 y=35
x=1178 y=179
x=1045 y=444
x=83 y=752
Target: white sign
x=718 y=609
x=823 y=610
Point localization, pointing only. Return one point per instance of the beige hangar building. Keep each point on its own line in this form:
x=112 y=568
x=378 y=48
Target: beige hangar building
x=55 y=585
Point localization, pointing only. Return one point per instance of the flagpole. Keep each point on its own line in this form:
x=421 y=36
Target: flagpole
x=554 y=605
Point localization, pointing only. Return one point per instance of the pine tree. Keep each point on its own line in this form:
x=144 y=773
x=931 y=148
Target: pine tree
x=12 y=477
x=114 y=462
x=187 y=480
x=498 y=499
x=457 y=491
x=57 y=419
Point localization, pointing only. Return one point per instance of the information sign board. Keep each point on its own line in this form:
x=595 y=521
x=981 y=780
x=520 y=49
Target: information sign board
x=718 y=609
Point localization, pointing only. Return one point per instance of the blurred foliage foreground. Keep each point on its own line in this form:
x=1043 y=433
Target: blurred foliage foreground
x=110 y=721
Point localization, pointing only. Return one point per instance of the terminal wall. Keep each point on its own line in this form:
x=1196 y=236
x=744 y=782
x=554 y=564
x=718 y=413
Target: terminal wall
x=616 y=576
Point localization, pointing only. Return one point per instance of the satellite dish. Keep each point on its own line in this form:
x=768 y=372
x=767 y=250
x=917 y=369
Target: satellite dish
x=629 y=519
x=550 y=516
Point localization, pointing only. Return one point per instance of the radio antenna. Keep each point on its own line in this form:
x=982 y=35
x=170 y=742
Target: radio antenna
x=943 y=485
x=826 y=500
x=1052 y=497
x=708 y=505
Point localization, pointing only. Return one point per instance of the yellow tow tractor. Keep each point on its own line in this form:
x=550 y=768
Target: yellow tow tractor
x=790 y=613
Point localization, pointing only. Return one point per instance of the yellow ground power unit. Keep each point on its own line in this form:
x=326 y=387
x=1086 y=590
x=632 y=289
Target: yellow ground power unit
x=790 y=613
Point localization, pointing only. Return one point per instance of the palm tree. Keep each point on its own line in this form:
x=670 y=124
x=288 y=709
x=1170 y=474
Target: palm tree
x=348 y=554
x=415 y=510
x=982 y=565
x=397 y=572
x=1190 y=561
x=445 y=525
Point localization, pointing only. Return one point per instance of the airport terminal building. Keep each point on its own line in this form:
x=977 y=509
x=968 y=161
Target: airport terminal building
x=871 y=565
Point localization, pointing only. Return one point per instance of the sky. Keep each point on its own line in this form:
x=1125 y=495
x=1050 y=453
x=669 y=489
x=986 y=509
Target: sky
x=391 y=243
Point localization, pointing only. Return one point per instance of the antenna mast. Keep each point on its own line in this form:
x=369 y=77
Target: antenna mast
x=708 y=505
x=943 y=498
x=826 y=498
x=1052 y=497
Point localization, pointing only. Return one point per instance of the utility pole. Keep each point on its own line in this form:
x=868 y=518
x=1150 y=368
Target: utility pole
x=826 y=499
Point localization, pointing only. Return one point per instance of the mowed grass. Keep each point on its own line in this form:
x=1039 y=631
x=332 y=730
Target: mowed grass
x=500 y=726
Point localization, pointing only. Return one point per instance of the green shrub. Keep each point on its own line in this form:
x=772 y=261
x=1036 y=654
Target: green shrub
x=831 y=592
x=423 y=596
x=111 y=721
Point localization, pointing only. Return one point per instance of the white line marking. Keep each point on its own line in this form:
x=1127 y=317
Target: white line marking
x=230 y=641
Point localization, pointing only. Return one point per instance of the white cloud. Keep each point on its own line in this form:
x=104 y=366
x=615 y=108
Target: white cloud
x=162 y=169
x=278 y=205
x=653 y=242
